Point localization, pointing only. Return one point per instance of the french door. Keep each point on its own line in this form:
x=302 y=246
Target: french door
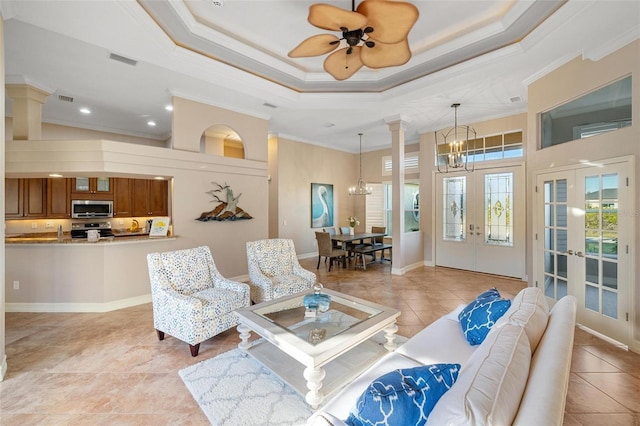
x=480 y=221
x=583 y=242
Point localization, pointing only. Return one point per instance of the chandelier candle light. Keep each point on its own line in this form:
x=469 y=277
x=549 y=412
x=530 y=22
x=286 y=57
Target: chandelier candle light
x=452 y=147
x=361 y=187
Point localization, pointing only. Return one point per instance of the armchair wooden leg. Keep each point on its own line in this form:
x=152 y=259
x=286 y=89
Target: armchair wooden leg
x=160 y=334
x=194 y=349
x=318 y=266
x=330 y=263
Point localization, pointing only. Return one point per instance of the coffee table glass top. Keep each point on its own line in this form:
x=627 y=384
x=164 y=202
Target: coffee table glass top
x=343 y=315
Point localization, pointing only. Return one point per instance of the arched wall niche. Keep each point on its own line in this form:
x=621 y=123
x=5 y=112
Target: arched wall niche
x=222 y=140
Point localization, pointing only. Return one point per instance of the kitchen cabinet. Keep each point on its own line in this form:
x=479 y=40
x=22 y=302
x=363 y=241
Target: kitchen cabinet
x=122 y=197
x=59 y=198
x=149 y=197
x=25 y=198
x=13 y=198
x=95 y=188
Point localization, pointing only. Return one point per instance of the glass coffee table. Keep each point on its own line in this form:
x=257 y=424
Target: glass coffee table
x=315 y=352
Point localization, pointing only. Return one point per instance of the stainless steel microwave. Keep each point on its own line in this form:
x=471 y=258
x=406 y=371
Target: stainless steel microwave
x=87 y=209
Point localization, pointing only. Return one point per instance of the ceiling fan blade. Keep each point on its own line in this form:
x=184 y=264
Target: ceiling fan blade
x=333 y=18
x=390 y=20
x=342 y=66
x=315 y=46
x=386 y=55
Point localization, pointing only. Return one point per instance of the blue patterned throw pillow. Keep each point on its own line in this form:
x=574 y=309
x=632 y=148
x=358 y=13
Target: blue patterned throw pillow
x=403 y=397
x=477 y=318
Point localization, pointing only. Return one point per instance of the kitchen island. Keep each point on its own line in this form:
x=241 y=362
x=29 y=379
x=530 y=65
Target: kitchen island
x=44 y=274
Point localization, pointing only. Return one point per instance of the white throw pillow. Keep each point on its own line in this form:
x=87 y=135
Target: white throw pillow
x=490 y=385
x=529 y=309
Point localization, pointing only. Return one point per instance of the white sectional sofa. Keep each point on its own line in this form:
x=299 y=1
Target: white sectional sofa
x=518 y=375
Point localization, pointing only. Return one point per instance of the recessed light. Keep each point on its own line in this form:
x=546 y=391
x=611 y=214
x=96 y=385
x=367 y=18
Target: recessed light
x=151 y=123
x=169 y=107
x=85 y=110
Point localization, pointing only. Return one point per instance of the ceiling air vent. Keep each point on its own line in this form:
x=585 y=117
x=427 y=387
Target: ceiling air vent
x=267 y=104
x=122 y=59
x=64 y=98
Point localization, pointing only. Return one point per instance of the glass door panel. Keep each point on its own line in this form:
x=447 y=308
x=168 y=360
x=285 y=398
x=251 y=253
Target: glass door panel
x=454 y=208
x=555 y=237
x=498 y=209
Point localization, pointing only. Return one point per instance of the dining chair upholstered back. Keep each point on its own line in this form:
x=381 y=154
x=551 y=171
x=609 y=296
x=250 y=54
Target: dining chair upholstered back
x=381 y=230
x=191 y=300
x=326 y=249
x=274 y=270
x=345 y=230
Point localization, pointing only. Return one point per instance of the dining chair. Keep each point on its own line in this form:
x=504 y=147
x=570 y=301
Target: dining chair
x=332 y=231
x=379 y=240
x=326 y=249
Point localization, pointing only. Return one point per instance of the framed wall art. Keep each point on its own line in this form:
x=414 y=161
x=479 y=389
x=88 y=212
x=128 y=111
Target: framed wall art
x=321 y=205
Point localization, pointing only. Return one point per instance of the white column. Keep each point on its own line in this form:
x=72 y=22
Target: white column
x=397 y=127
x=27 y=111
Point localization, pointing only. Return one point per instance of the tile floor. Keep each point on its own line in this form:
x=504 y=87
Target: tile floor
x=109 y=368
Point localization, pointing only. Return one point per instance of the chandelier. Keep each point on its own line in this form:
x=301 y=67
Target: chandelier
x=452 y=147
x=361 y=187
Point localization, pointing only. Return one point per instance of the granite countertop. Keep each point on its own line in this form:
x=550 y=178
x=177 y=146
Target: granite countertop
x=52 y=238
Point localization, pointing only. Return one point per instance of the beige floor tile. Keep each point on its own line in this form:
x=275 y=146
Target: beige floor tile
x=111 y=369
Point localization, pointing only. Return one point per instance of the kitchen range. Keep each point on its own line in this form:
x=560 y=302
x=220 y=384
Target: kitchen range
x=81 y=229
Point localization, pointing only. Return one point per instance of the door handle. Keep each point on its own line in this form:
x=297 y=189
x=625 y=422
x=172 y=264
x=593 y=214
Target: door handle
x=579 y=254
x=569 y=252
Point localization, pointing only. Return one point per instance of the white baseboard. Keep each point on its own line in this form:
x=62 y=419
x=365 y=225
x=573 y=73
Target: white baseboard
x=603 y=337
x=78 y=307
x=3 y=368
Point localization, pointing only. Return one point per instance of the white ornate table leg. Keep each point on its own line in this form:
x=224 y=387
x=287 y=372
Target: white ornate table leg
x=245 y=333
x=390 y=334
x=314 y=377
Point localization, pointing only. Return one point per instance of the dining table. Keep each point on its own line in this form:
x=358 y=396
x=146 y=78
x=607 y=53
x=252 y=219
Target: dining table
x=345 y=239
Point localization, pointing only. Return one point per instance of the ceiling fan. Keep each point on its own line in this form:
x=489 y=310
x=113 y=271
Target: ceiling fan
x=374 y=34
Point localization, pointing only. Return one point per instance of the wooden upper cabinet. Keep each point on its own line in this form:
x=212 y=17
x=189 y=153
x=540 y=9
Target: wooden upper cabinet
x=58 y=198
x=150 y=197
x=34 y=192
x=13 y=198
x=25 y=197
x=95 y=188
x=122 y=197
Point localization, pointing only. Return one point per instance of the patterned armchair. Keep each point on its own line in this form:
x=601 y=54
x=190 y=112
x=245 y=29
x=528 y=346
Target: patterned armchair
x=274 y=270
x=192 y=301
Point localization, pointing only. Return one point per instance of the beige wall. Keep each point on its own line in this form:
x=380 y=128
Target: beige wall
x=191 y=119
x=570 y=81
x=299 y=165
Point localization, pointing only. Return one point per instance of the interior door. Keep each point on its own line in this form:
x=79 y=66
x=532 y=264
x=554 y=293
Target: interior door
x=480 y=221
x=583 y=251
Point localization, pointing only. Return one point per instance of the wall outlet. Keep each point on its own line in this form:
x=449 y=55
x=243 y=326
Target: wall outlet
x=16 y=285
x=49 y=225
x=34 y=225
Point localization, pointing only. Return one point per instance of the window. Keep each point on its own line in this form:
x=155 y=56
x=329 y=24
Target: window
x=600 y=111
x=411 y=163
x=379 y=209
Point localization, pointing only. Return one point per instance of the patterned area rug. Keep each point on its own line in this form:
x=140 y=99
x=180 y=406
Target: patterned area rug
x=234 y=390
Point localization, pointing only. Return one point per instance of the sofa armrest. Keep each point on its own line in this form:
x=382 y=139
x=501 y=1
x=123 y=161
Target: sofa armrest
x=545 y=396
